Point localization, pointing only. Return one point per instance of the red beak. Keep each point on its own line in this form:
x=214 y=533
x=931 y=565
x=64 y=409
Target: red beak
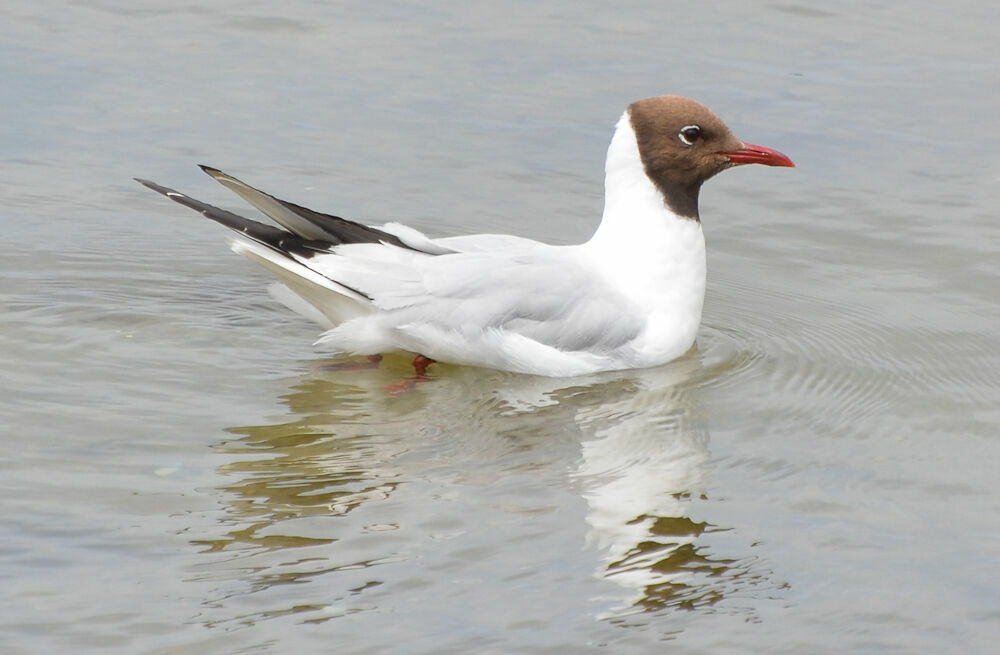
x=751 y=154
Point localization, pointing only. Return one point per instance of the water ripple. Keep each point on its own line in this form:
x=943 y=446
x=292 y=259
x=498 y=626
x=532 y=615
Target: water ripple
x=833 y=365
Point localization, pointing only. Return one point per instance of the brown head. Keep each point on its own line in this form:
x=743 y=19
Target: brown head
x=682 y=143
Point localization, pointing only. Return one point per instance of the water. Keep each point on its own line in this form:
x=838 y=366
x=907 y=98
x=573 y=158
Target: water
x=184 y=473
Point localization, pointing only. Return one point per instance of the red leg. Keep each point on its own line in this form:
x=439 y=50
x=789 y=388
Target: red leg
x=420 y=364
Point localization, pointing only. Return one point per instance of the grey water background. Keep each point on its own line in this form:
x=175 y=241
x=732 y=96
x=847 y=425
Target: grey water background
x=182 y=472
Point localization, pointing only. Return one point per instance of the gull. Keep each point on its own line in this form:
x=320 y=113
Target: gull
x=630 y=297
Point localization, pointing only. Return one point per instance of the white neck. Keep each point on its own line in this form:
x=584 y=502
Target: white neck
x=633 y=207
x=649 y=252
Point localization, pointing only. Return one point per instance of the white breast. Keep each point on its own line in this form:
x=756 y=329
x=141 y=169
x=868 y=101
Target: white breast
x=652 y=255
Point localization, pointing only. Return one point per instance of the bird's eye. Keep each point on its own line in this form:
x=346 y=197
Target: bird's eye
x=689 y=134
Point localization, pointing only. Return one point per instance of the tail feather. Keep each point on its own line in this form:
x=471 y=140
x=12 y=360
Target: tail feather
x=295 y=302
x=336 y=302
x=287 y=256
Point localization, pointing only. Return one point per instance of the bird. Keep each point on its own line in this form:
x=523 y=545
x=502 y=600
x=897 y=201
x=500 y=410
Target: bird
x=630 y=297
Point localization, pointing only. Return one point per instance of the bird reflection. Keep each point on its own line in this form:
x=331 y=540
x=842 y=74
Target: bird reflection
x=632 y=445
x=642 y=463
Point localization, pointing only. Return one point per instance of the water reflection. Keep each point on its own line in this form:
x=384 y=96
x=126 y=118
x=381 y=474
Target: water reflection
x=354 y=479
x=641 y=462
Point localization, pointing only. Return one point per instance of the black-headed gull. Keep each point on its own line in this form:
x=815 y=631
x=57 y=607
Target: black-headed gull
x=630 y=297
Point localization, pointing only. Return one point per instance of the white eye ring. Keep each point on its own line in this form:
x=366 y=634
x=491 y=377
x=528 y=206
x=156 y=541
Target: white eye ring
x=689 y=134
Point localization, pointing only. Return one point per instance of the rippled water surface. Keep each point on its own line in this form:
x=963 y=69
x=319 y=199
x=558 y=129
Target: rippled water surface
x=184 y=473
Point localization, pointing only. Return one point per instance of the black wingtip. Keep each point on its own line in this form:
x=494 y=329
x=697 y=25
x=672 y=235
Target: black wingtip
x=209 y=169
x=149 y=184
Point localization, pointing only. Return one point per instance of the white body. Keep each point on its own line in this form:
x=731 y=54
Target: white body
x=630 y=297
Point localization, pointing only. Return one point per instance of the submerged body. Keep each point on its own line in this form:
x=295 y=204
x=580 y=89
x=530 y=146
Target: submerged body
x=630 y=297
